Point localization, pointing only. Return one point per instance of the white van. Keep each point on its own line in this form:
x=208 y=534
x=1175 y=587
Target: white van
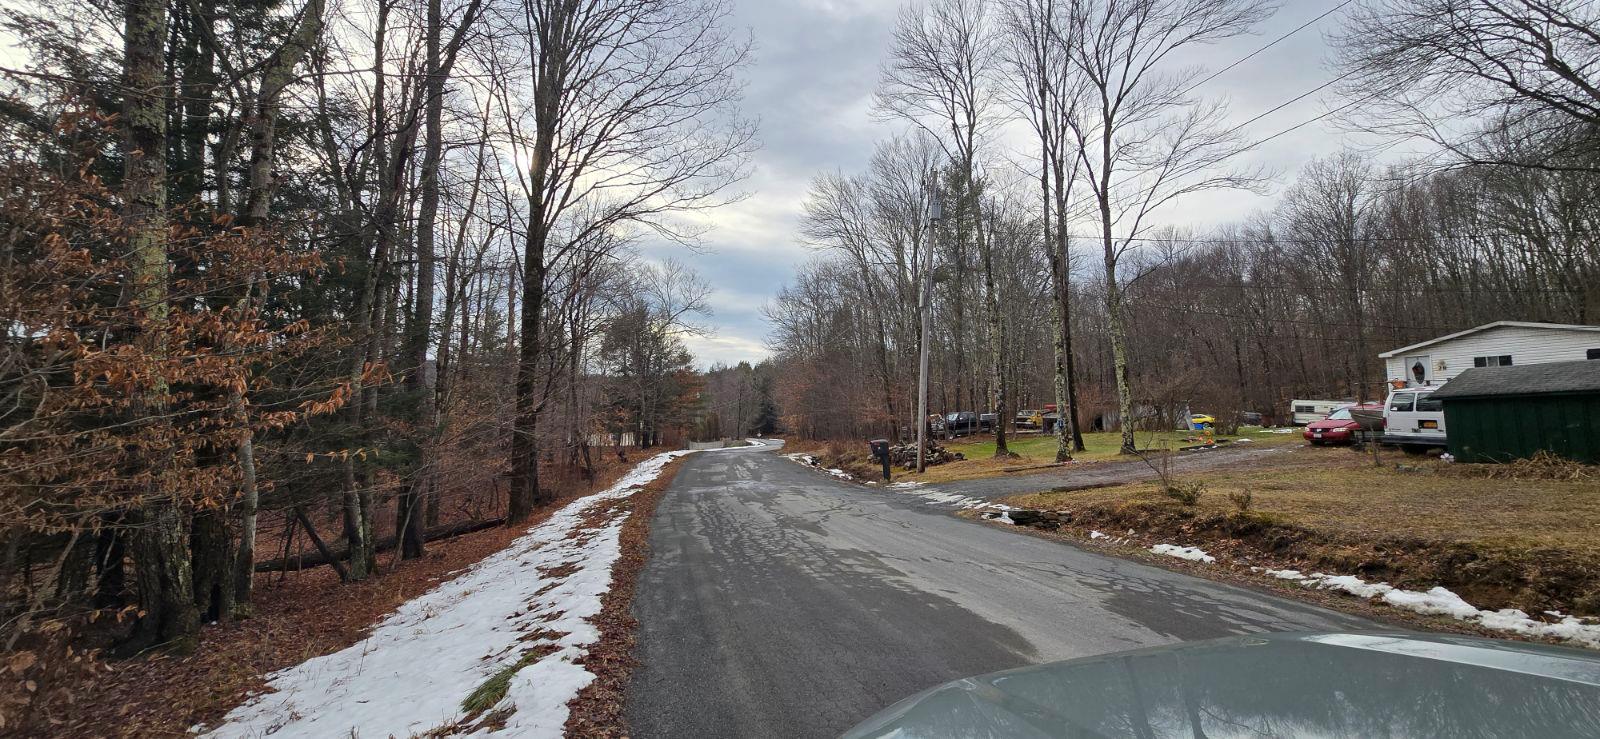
x=1411 y=417
x=1303 y=412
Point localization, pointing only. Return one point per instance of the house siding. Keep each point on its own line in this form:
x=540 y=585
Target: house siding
x=1526 y=345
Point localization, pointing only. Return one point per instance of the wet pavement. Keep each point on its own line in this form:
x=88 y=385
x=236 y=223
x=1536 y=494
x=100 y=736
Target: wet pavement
x=781 y=602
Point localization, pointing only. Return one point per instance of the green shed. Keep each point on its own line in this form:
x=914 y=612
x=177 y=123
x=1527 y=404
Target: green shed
x=1496 y=414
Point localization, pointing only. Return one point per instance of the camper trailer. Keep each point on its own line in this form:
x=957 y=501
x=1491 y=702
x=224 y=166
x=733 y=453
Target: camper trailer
x=1303 y=412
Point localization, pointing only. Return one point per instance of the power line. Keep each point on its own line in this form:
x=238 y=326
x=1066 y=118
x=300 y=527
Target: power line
x=1269 y=44
x=1395 y=290
x=1261 y=241
x=1302 y=322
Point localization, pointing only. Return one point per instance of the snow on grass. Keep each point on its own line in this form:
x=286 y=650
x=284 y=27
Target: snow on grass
x=1097 y=535
x=1193 y=554
x=1439 y=601
x=412 y=672
x=956 y=500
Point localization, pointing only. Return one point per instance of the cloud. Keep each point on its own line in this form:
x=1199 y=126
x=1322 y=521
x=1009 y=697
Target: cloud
x=725 y=349
x=811 y=85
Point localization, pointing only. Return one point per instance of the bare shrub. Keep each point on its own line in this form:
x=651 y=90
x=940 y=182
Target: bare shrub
x=1242 y=499
x=1187 y=493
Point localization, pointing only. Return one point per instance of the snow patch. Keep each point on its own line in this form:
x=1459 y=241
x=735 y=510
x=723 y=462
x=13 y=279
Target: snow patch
x=411 y=673
x=1193 y=554
x=1097 y=535
x=1439 y=601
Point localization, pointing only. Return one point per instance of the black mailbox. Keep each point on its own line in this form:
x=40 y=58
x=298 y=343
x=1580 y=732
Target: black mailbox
x=880 y=452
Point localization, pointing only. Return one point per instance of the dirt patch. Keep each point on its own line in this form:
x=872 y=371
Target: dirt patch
x=298 y=615
x=1497 y=542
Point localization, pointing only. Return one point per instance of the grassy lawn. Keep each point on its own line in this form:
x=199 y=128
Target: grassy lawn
x=1341 y=491
x=1040 y=449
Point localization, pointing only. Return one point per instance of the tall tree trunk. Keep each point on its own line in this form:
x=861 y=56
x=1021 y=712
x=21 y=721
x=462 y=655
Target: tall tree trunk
x=211 y=544
x=548 y=88
x=258 y=205
x=997 y=349
x=1067 y=412
x=409 y=516
x=161 y=538
x=1114 y=317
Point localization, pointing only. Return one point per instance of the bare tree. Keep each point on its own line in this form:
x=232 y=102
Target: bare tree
x=1436 y=68
x=1046 y=89
x=940 y=77
x=633 y=109
x=1149 y=143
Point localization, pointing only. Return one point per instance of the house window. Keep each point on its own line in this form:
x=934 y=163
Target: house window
x=1594 y=353
x=1503 y=360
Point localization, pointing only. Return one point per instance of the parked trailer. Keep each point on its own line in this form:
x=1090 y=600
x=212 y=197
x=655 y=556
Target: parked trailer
x=1302 y=412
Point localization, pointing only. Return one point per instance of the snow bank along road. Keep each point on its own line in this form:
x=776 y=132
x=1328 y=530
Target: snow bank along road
x=522 y=610
x=781 y=602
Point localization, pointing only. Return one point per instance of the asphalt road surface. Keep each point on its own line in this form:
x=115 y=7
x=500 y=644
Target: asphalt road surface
x=781 y=602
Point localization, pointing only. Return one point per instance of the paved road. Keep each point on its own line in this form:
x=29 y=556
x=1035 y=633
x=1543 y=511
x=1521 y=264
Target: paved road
x=780 y=602
x=1102 y=473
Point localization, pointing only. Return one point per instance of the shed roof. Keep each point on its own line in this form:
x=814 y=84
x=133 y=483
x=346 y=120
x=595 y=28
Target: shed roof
x=1582 y=376
x=1486 y=327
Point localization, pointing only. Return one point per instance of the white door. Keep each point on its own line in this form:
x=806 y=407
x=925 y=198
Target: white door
x=1401 y=416
x=1419 y=369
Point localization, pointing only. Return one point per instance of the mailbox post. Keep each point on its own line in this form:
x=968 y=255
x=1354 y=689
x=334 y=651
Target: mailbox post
x=880 y=450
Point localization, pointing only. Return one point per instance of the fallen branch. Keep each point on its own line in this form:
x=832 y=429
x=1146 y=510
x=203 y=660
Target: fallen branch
x=326 y=556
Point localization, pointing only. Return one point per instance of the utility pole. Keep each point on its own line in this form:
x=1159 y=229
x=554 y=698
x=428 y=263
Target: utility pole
x=925 y=308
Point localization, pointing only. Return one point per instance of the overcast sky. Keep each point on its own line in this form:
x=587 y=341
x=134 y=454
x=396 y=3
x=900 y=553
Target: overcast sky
x=811 y=83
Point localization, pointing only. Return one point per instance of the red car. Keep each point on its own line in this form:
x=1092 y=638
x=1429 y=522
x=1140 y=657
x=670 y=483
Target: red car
x=1339 y=427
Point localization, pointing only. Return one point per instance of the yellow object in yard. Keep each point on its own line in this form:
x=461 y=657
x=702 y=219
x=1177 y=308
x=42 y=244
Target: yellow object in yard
x=1037 y=419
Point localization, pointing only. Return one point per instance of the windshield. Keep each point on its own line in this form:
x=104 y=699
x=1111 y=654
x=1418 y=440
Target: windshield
x=1343 y=414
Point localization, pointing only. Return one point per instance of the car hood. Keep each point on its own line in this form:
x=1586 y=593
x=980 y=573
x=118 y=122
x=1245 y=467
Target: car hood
x=1320 y=685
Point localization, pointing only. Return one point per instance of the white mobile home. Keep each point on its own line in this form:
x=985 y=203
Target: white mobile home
x=1498 y=344
x=1304 y=412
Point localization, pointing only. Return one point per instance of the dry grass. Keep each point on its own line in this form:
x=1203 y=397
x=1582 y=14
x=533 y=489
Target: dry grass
x=1341 y=491
x=1037 y=450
